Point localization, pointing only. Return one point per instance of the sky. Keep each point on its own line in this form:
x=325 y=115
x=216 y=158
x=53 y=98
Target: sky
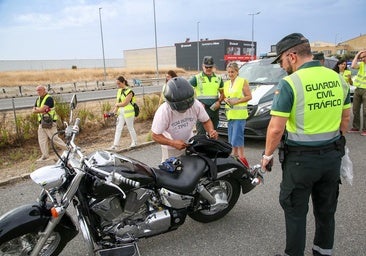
x=71 y=29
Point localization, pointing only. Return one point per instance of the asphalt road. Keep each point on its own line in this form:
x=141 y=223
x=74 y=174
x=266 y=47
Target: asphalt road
x=254 y=227
x=28 y=102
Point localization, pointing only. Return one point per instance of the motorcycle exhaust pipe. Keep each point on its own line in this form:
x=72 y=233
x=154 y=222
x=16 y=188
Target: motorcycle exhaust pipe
x=205 y=194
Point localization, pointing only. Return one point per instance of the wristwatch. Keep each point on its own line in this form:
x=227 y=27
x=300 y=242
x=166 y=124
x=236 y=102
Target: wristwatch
x=268 y=158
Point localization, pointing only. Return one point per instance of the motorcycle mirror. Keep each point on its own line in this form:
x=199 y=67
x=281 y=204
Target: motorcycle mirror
x=73 y=102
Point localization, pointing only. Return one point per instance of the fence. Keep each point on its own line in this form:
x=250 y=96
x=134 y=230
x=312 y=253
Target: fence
x=10 y=118
x=29 y=90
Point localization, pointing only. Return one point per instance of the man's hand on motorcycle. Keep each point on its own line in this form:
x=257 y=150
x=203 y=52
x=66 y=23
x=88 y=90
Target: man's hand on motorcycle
x=267 y=164
x=213 y=134
x=179 y=144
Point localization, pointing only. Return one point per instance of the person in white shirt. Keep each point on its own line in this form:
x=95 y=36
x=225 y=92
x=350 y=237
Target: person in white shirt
x=175 y=119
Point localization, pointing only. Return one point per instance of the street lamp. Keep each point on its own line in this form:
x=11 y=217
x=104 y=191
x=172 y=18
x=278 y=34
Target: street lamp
x=252 y=46
x=101 y=35
x=156 y=47
x=198 y=46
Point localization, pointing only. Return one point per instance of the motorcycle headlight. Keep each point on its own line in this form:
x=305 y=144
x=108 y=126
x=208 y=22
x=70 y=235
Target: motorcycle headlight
x=48 y=177
x=263 y=108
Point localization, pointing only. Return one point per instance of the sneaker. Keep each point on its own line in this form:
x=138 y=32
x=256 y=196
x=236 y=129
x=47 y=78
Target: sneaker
x=363 y=133
x=114 y=147
x=133 y=144
x=353 y=130
x=41 y=159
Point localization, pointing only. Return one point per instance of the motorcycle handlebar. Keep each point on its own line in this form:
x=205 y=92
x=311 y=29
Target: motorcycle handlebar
x=256 y=175
x=76 y=125
x=115 y=177
x=121 y=179
x=71 y=131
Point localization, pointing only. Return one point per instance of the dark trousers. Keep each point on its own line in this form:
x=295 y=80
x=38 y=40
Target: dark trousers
x=318 y=175
x=214 y=116
x=359 y=100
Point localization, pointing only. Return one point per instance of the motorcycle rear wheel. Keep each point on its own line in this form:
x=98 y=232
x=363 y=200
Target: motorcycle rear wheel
x=24 y=243
x=224 y=188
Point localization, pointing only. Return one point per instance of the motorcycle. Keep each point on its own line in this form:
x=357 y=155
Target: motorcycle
x=119 y=200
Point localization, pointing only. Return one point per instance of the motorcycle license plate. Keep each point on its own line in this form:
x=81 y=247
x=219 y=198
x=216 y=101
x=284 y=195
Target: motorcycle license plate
x=222 y=124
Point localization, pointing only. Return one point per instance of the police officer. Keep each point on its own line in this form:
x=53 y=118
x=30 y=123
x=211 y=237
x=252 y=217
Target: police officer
x=209 y=91
x=312 y=104
x=359 y=98
x=320 y=57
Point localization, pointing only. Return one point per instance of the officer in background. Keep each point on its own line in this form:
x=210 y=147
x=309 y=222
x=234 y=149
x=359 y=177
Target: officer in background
x=209 y=91
x=320 y=57
x=359 y=97
x=313 y=105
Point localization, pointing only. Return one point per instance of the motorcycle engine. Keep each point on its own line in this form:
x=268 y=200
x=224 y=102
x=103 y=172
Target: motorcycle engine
x=140 y=215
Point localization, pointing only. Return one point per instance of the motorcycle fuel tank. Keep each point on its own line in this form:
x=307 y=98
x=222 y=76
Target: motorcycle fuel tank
x=128 y=167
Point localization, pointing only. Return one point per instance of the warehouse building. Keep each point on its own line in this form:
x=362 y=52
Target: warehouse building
x=187 y=56
x=351 y=46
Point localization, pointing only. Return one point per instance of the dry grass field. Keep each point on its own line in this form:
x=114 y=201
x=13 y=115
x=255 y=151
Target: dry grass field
x=17 y=78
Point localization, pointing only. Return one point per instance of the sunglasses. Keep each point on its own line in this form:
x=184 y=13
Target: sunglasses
x=207 y=67
x=281 y=60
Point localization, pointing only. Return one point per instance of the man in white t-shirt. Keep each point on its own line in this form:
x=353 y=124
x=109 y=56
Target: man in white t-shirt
x=175 y=119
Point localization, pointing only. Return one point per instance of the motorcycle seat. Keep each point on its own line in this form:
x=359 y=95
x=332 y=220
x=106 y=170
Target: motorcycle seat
x=185 y=181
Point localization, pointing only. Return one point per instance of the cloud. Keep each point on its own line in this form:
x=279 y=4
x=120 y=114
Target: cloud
x=71 y=28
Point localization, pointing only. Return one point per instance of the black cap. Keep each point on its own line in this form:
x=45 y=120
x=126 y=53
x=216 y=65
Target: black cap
x=318 y=56
x=288 y=42
x=208 y=61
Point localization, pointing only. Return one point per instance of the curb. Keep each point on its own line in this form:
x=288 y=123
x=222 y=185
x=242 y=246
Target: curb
x=25 y=176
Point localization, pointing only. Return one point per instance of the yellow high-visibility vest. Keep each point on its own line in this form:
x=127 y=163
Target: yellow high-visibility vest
x=346 y=74
x=52 y=112
x=206 y=89
x=237 y=111
x=128 y=110
x=318 y=105
x=360 y=80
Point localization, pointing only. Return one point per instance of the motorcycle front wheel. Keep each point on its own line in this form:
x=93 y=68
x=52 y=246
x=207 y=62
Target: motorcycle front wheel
x=226 y=191
x=24 y=243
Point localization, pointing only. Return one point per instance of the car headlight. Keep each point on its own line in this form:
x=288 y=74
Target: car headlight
x=263 y=108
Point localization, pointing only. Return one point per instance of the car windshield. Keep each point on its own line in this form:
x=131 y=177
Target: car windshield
x=262 y=72
x=353 y=71
x=330 y=62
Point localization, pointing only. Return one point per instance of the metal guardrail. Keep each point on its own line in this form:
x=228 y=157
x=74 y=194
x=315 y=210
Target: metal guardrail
x=29 y=90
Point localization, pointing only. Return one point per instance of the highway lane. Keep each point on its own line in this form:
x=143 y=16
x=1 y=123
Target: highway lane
x=28 y=102
x=254 y=227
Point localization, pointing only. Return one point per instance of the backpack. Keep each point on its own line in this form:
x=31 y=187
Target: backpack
x=46 y=121
x=209 y=150
x=209 y=147
x=136 y=108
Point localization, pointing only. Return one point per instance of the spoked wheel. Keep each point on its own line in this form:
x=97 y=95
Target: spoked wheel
x=226 y=191
x=24 y=244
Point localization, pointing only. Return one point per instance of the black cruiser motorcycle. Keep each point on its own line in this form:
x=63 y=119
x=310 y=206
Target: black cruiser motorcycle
x=119 y=200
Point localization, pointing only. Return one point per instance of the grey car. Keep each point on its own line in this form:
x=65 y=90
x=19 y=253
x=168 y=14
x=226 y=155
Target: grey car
x=263 y=77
